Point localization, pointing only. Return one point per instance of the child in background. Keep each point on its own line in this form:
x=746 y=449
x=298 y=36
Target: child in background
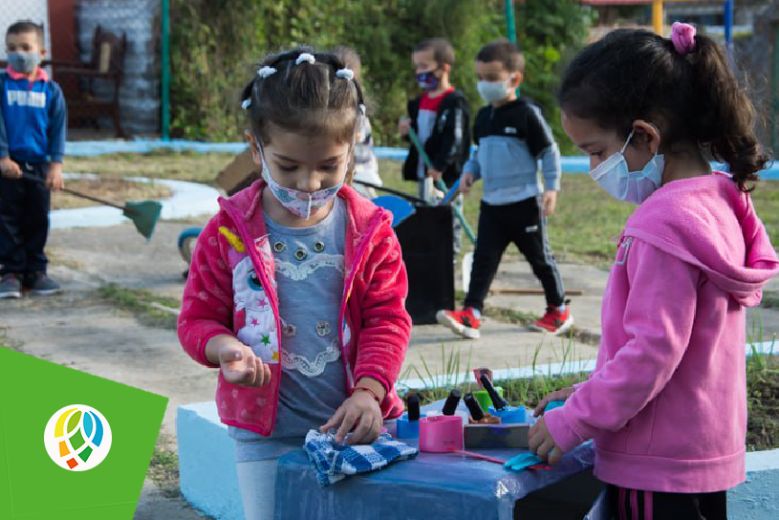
x=32 y=146
x=366 y=167
x=440 y=117
x=297 y=286
x=666 y=403
x=513 y=138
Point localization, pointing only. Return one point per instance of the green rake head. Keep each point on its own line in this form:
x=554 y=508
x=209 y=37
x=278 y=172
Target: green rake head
x=144 y=215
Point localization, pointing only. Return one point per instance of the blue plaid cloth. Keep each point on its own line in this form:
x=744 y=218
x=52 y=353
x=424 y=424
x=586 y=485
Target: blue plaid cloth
x=334 y=461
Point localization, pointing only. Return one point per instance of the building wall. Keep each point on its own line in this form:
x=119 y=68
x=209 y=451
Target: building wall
x=14 y=10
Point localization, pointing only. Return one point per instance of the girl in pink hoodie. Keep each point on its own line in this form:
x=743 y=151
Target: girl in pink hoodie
x=297 y=287
x=666 y=404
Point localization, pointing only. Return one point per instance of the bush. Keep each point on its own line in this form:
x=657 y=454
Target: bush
x=216 y=45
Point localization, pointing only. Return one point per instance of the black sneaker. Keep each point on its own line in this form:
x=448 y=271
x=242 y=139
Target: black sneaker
x=41 y=285
x=10 y=286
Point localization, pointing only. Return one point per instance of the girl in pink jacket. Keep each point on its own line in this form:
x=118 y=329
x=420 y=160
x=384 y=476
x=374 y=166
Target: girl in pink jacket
x=297 y=287
x=666 y=404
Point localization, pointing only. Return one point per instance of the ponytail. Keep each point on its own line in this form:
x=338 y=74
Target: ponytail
x=724 y=116
x=683 y=83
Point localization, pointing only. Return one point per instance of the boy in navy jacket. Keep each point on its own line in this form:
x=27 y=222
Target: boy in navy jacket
x=513 y=139
x=32 y=145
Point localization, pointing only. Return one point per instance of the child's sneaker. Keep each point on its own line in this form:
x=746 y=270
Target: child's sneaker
x=555 y=321
x=464 y=322
x=41 y=285
x=10 y=286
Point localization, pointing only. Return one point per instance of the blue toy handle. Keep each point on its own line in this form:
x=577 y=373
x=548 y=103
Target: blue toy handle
x=186 y=242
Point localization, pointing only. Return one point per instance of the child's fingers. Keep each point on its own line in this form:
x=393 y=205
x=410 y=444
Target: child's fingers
x=555 y=455
x=267 y=374
x=362 y=432
x=539 y=410
x=334 y=421
x=349 y=419
x=535 y=438
x=546 y=447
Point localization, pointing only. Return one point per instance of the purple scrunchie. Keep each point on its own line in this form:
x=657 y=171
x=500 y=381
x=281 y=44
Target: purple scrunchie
x=683 y=37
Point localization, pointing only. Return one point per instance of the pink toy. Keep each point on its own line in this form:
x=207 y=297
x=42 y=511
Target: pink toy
x=441 y=434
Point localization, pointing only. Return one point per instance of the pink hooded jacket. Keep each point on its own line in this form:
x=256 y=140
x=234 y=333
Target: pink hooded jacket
x=231 y=290
x=666 y=404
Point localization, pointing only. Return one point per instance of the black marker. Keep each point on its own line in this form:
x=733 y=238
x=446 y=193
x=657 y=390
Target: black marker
x=451 y=402
x=474 y=407
x=497 y=401
x=412 y=403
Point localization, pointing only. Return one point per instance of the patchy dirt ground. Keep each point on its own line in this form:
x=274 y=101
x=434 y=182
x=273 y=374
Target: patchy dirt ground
x=112 y=321
x=113 y=190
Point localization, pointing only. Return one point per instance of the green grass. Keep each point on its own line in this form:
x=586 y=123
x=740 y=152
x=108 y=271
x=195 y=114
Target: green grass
x=762 y=401
x=150 y=309
x=526 y=391
x=160 y=164
x=762 y=388
x=771 y=299
x=164 y=466
x=584 y=229
x=588 y=221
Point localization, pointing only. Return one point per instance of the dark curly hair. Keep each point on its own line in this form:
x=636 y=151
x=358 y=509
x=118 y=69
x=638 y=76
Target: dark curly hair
x=636 y=74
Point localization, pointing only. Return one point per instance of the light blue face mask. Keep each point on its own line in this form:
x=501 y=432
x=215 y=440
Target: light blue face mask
x=24 y=62
x=614 y=176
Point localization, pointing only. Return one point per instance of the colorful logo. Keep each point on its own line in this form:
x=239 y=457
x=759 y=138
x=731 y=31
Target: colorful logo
x=77 y=437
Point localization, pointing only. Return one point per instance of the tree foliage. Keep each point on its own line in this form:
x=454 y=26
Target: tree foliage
x=216 y=45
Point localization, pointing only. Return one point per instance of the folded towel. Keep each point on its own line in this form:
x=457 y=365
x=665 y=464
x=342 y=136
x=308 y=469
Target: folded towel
x=334 y=461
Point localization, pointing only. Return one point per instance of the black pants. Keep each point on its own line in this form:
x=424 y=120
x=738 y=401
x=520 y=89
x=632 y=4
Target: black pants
x=630 y=504
x=24 y=221
x=523 y=224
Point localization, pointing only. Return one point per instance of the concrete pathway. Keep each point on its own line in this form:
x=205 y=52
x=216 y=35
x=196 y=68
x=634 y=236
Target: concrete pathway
x=81 y=330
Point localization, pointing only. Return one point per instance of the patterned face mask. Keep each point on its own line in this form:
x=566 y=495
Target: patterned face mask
x=299 y=203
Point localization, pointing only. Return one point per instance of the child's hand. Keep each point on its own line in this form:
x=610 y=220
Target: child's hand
x=541 y=443
x=9 y=169
x=466 y=182
x=360 y=412
x=240 y=366
x=549 y=201
x=404 y=124
x=54 y=180
x=557 y=395
x=435 y=174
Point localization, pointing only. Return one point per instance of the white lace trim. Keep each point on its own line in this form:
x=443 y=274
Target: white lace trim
x=307 y=367
x=297 y=272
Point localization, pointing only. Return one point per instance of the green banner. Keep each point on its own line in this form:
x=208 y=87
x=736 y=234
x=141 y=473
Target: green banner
x=72 y=445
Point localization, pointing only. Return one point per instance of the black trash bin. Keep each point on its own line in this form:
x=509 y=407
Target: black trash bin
x=427 y=243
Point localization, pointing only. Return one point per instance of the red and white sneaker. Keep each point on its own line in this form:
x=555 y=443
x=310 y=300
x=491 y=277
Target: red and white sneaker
x=464 y=322
x=554 y=321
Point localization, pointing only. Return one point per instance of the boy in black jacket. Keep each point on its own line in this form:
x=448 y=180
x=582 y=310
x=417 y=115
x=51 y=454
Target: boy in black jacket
x=440 y=117
x=513 y=140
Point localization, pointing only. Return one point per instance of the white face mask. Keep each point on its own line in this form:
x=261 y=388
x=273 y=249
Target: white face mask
x=614 y=176
x=492 y=91
x=299 y=203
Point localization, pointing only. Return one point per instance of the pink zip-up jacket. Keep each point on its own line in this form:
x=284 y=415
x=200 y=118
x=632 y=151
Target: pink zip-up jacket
x=666 y=404
x=231 y=290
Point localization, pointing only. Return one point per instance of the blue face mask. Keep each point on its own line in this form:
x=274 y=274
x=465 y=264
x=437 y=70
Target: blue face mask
x=427 y=80
x=614 y=176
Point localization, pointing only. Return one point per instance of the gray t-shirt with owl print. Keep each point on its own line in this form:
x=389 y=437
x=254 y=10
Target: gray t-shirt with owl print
x=310 y=280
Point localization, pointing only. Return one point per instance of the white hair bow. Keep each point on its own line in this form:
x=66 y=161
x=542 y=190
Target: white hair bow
x=345 y=73
x=266 y=71
x=305 y=56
